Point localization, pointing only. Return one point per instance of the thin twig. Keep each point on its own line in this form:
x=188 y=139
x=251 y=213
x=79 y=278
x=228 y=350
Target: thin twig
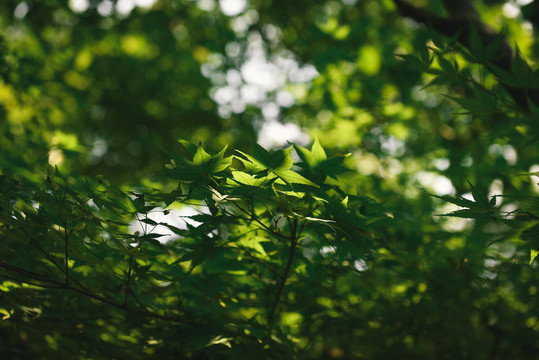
x=51 y=259
x=142 y=306
x=61 y=285
x=260 y=261
x=284 y=277
x=128 y=279
x=253 y=218
x=66 y=238
x=33 y=283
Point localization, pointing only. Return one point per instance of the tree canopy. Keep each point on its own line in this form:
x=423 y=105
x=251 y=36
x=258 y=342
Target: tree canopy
x=203 y=179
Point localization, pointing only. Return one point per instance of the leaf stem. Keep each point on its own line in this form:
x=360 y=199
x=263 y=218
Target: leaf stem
x=252 y=217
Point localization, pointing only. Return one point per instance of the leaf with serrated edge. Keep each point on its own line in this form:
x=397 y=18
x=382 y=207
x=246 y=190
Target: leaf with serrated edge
x=305 y=155
x=262 y=155
x=293 y=177
x=480 y=198
x=519 y=69
x=282 y=160
x=292 y=193
x=467 y=214
x=189 y=146
x=250 y=162
x=533 y=255
x=318 y=152
x=201 y=156
x=247 y=179
x=458 y=200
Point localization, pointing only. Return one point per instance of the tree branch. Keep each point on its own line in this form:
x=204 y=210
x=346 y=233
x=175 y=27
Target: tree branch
x=51 y=259
x=128 y=279
x=60 y=285
x=284 y=277
x=66 y=238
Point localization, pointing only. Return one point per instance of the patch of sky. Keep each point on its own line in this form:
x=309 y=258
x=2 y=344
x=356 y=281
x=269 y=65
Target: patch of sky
x=175 y=217
x=259 y=79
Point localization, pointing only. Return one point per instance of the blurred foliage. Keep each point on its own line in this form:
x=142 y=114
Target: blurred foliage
x=409 y=228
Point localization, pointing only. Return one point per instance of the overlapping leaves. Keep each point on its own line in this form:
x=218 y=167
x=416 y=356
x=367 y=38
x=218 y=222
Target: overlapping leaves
x=479 y=208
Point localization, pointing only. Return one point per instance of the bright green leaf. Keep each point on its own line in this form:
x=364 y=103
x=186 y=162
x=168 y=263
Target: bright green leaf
x=293 y=177
x=201 y=157
x=247 y=179
x=533 y=255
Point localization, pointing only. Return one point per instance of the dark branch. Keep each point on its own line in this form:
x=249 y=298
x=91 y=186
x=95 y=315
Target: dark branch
x=66 y=239
x=128 y=279
x=293 y=243
x=47 y=283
